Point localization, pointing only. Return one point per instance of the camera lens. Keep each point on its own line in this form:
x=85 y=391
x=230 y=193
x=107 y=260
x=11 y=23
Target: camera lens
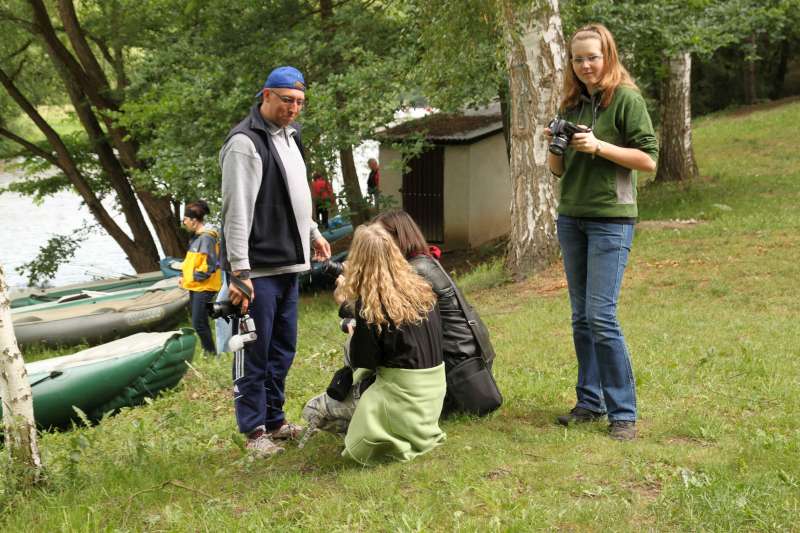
x=559 y=144
x=221 y=309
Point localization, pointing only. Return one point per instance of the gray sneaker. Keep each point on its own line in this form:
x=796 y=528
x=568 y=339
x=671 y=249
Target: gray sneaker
x=327 y=414
x=262 y=446
x=288 y=431
x=622 y=430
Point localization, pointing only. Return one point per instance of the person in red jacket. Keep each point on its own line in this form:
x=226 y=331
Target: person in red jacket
x=322 y=194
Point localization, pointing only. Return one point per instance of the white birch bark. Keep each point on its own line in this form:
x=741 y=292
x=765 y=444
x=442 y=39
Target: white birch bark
x=19 y=426
x=676 y=160
x=535 y=57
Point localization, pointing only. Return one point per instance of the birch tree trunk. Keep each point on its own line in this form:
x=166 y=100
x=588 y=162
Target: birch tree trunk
x=359 y=209
x=535 y=57
x=19 y=426
x=676 y=160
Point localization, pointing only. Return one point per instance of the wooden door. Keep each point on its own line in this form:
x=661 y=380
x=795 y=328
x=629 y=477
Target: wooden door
x=423 y=193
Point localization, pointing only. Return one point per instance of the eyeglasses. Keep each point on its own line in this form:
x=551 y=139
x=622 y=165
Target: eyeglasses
x=581 y=60
x=289 y=100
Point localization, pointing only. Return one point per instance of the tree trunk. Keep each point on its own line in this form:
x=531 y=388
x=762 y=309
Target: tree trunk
x=165 y=222
x=535 y=57
x=676 y=160
x=140 y=260
x=88 y=87
x=359 y=210
x=19 y=426
x=776 y=90
x=750 y=92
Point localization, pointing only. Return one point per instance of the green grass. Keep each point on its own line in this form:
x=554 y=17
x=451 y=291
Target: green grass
x=710 y=314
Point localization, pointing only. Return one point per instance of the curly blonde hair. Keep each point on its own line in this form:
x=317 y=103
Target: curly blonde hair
x=377 y=275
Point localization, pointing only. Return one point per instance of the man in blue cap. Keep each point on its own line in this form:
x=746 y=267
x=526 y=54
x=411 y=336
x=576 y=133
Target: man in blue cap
x=268 y=232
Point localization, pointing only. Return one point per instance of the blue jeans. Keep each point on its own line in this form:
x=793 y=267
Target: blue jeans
x=260 y=369
x=223 y=328
x=595 y=255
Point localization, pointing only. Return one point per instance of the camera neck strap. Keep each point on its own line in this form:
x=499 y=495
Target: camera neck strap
x=487 y=350
x=242 y=287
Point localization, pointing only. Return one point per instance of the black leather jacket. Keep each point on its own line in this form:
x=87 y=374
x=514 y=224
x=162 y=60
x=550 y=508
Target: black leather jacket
x=458 y=342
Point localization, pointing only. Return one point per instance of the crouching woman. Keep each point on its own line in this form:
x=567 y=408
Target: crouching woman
x=397 y=333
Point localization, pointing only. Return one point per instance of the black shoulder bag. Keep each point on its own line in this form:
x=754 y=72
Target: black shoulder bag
x=471 y=388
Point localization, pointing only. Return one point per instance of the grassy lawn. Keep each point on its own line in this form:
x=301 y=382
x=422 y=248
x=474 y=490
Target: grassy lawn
x=709 y=308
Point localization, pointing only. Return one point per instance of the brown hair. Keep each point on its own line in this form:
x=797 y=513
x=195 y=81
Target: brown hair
x=614 y=74
x=197 y=210
x=377 y=275
x=404 y=231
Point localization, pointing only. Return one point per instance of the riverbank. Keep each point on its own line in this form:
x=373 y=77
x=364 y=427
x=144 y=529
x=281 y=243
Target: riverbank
x=708 y=310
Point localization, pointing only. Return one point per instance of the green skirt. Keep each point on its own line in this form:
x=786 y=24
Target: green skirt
x=397 y=417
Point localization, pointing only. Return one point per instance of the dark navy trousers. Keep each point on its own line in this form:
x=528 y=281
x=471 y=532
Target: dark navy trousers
x=260 y=369
x=198 y=301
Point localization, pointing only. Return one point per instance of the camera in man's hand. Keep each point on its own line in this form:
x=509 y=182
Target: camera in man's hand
x=562 y=131
x=228 y=311
x=224 y=309
x=246 y=334
x=332 y=268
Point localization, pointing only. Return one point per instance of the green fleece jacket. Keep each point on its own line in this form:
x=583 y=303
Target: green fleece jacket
x=397 y=417
x=596 y=187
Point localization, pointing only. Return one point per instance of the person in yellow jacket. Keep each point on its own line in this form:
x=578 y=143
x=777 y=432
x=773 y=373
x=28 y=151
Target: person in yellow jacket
x=202 y=276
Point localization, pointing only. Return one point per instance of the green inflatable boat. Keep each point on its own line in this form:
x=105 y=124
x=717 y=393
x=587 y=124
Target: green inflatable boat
x=106 y=378
x=101 y=316
x=27 y=297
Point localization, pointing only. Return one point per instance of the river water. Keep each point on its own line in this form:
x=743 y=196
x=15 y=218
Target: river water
x=25 y=227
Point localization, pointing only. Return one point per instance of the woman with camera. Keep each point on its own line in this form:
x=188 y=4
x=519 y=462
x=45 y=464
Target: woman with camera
x=201 y=274
x=398 y=334
x=596 y=216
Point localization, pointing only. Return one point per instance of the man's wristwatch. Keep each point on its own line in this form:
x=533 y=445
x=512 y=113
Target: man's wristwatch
x=242 y=274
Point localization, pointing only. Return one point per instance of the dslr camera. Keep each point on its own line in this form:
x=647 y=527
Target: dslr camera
x=562 y=130
x=332 y=269
x=228 y=311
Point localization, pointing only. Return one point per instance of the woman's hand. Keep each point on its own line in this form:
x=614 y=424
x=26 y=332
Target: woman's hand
x=585 y=142
x=555 y=162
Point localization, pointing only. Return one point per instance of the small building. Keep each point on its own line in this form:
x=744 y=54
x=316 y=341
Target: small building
x=459 y=189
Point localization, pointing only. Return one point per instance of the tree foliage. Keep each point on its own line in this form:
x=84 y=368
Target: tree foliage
x=200 y=77
x=647 y=31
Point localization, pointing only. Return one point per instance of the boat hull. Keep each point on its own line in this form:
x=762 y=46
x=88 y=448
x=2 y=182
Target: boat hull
x=100 y=320
x=36 y=296
x=106 y=378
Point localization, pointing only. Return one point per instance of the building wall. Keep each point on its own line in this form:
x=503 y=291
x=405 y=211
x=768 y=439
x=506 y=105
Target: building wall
x=490 y=190
x=457 y=207
x=477 y=190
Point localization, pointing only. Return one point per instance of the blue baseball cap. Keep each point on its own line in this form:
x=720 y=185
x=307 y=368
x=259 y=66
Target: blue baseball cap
x=284 y=78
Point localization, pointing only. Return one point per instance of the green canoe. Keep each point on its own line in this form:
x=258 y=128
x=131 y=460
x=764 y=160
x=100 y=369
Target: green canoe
x=27 y=297
x=102 y=317
x=108 y=377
